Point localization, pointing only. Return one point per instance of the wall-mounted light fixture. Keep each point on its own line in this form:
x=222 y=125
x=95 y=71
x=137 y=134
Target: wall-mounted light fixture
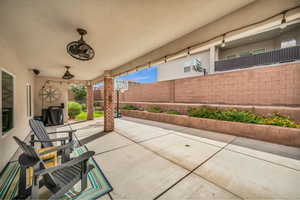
x=188 y=52
x=283 y=21
x=223 y=41
x=36 y=71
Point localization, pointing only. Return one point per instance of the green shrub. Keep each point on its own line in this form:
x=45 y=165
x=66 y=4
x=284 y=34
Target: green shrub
x=79 y=92
x=129 y=107
x=155 y=110
x=83 y=107
x=74 y=109
x=242 y=116
x=173 y=112
x=279 y=120
x=202 y=112
x=239 y=116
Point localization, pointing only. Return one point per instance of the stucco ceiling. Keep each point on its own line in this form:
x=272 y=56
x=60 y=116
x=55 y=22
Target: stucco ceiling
x=118 y=30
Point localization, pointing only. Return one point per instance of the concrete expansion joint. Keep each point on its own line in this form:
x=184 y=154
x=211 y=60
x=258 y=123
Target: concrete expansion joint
x=268 y=161
x=192 y=172
x=189 y=171
x=121 y=147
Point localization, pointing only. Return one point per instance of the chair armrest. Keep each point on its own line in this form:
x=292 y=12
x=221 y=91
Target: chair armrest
x=70 y=133
x=52 y=140
x=83 y=157
x=27 y=161
x=58 y=148
x=66 y=131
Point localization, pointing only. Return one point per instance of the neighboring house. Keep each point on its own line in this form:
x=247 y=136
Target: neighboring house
x=266 y=48
x=181 y=68
x=261 y=43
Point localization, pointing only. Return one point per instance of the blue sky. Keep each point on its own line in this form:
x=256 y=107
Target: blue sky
x=148 y=75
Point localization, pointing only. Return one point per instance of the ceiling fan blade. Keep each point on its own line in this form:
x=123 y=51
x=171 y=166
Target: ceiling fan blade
x=85 y=55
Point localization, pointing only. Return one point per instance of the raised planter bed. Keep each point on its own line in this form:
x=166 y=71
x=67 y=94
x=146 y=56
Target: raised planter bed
x=291 y=112
x=275 y=134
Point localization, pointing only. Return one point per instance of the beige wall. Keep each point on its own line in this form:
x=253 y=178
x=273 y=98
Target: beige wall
x=174 y=69
x=56 y=83
x=9 y=61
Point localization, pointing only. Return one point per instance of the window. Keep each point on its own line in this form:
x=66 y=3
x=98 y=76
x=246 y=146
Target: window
x=28 y=100
x=246 y=53
x=258 y=51
x=187 y=69
x=7 y=87
x=231 y=56
x=288 y=43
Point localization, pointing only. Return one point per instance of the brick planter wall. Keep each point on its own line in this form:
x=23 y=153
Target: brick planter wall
x=291 y=112
x=275 y=134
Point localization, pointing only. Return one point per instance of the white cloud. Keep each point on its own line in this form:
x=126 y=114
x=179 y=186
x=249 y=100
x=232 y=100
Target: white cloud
x=141 y=78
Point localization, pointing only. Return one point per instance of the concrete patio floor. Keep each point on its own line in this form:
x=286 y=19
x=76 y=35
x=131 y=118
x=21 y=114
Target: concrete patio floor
x=152 y=160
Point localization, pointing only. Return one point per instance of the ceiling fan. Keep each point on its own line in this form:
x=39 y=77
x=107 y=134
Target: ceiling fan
x=80 y=49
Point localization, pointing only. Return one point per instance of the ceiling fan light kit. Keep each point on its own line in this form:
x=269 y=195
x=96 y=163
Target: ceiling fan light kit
x=67 y=74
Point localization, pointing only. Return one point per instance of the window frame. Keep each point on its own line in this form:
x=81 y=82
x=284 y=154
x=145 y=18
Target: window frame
x=260 y=49
x=245 y=53
x=231 y=56
x=288 y=41
x=3 y=134
x=28 y=100
x=187 y=67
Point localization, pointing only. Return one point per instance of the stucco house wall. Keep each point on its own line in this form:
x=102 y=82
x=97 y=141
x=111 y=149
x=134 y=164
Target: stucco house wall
x=61 y=86
x=175 y=69
x=11 y=63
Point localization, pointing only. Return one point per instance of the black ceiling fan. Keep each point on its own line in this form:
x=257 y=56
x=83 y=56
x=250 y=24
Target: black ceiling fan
x=80 y=49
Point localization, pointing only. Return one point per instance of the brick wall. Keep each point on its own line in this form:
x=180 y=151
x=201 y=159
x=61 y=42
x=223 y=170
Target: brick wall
x=276 y=85
x=108 y=107
x=98 y=94
x=273 y=85
x=274 y=134
x=154 y=92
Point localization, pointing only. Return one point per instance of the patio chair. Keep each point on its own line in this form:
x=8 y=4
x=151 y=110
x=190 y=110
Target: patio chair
x=46 y=142
x=58 y=180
